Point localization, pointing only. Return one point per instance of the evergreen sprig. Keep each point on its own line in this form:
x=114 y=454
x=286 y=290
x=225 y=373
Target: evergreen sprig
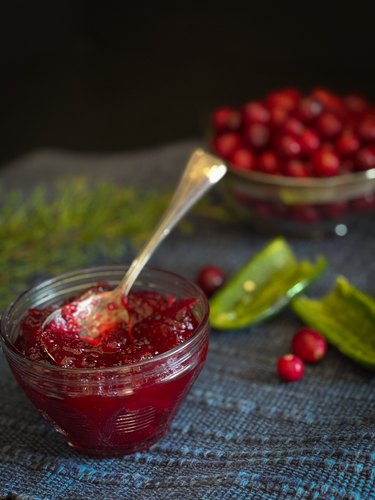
x=74 y=224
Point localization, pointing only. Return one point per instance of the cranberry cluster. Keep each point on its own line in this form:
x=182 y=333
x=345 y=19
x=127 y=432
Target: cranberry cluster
x=308 y=346
x=316 y=135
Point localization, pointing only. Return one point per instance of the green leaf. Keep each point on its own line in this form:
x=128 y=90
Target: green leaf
x=346 y=317
x=264 y=286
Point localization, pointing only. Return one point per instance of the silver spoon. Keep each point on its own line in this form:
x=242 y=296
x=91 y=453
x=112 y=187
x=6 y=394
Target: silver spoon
x=96 y=309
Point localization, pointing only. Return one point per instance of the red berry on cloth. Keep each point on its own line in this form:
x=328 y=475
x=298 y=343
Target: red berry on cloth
x=210 y=279
x=309 y=345
x=290 y=368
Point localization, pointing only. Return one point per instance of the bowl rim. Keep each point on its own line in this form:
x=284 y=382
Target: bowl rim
x=203 y=323
x=303 y=182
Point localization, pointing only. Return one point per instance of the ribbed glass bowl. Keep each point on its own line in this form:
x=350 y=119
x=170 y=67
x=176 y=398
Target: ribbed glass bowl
x=115 y=410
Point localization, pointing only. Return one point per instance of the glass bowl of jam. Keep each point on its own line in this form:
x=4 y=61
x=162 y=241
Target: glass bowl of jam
x=119 y=394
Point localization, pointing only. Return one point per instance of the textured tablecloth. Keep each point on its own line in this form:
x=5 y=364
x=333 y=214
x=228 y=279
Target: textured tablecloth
x=241 y=433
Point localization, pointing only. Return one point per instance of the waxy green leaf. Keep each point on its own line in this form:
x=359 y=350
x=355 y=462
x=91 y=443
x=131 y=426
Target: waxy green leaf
x=346 y=317
x=264 y=286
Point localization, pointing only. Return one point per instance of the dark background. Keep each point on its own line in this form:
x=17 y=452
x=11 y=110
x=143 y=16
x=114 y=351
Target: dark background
x=104 y=76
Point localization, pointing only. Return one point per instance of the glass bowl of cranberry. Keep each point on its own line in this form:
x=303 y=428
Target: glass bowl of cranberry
x=119 y=393
x=301 y=164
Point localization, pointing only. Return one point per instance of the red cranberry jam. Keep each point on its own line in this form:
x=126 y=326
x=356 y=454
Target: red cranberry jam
x=156 y=324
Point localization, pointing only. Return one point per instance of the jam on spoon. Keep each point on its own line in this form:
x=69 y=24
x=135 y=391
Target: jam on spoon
x=96 y=311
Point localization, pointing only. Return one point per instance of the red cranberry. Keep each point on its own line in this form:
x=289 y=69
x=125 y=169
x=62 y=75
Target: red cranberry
x=288 y=146
x=296 y=168
x=356 y=104
x=287 y=98
x=268 y=163
x=325 y=163
x=278 y=116
x=330 y=101
x=290 y=368
x=305 y=214
x=366 y=129
x=308 y=109
x=310 y=141
x=329 y=125
x=242 y=159
x=334 y=209
x=210 y=279
x=279 y=208
x=241 y=198
x=365 y=158
x=226 y=119
x=263 y=209
x=347 y=144
x=255 y=112
x=256 y=135
x=293 y=127
x=224 y=144
x=309 y=345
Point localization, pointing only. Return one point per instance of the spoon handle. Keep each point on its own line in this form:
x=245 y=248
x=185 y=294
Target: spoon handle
x=201 y=173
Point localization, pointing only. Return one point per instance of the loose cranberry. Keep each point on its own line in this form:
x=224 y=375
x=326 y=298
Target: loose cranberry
x=296 y=168
x=290 y=368
x=224 y=144
x=356 y=104
x=308 y=109
x=210 y=279
x=325 y=163
x=309 y=141
x=329 y=125
x=366 y=129
x=309 y=345
x=255 y=112
x=256 y=135
x=268 y=163
x=347 y=144
x=365 y=158
x=226 y=119
x=242 y=159
x=287 y=98
x=293 y=127
x=288 y=147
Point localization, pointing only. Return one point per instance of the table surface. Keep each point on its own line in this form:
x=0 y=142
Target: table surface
x=241 y=433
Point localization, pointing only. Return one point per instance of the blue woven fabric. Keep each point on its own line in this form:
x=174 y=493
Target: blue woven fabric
x=241 y=433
